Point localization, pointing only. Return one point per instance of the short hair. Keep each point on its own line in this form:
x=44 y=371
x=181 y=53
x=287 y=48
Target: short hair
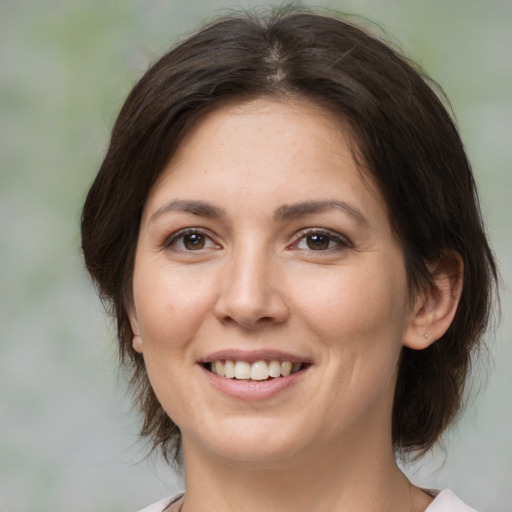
x=404 y=138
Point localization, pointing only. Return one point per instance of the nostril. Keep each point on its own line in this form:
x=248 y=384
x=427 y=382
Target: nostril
x=247 y=299
x=248 y=322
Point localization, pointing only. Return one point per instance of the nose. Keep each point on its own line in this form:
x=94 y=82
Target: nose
x=251 y=293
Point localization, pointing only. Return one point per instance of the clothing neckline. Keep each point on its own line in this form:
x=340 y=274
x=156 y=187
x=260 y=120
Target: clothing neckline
x=442 y=500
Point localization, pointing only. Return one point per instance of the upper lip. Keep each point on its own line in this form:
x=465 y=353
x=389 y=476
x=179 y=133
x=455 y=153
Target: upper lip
x=251 y=356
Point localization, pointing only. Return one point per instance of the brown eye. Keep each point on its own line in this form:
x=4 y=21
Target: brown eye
x=322 y=240
x=194 y=241
x=318 y=242
x=190 y=240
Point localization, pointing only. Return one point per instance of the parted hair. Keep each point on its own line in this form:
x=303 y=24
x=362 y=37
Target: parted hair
x=406 y=142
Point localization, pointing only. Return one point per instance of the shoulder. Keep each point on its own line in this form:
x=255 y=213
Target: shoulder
x=161 y=506
x=446 y=501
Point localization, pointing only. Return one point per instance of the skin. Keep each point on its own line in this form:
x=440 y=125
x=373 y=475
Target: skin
x=253 y=282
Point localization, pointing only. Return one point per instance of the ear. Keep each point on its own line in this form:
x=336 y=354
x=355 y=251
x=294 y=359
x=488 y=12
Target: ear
x=435 y=308
x=134 y=323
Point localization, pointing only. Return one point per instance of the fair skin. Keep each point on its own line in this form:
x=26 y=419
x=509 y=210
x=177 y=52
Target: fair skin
x=287 y=255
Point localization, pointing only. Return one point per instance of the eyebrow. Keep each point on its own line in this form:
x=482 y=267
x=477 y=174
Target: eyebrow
x=283 y=213
x=292 y=211
x=200 y=208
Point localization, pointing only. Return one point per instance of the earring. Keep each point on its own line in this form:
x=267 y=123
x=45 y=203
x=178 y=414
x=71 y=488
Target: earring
x=425 y=336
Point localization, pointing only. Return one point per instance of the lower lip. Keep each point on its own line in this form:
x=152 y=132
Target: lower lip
x=253 y=389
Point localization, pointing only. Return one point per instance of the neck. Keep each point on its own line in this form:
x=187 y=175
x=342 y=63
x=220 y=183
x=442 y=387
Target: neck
x=336 y=479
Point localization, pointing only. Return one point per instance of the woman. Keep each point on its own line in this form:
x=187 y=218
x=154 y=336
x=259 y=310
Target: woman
x=287 y=230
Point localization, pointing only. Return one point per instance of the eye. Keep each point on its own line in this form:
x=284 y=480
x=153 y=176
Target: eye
x=321 y=240
x=190 y=240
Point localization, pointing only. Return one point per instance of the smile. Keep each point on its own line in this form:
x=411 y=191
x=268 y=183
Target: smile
x=259 y=370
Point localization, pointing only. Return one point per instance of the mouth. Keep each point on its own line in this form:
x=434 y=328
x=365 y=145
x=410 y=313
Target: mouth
x=261 y=370
x=254 y=374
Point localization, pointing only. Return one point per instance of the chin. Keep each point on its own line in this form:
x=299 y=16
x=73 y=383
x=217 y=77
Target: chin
x=257 y=445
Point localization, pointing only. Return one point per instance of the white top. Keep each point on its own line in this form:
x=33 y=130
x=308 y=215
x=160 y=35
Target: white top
x=445 y=501
x=161 y=505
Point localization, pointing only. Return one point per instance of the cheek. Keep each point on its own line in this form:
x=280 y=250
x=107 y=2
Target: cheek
x=169 y=304
x=358 y=318
x=356 y=303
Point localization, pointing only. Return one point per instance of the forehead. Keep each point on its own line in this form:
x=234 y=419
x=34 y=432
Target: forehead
x=265 y=148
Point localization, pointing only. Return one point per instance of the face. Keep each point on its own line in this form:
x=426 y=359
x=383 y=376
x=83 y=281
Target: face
x=262 y=248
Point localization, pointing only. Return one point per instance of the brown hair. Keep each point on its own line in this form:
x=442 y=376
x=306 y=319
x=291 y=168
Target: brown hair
x=410 y=147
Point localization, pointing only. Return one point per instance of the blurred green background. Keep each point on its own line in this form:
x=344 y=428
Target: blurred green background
x=68 y=439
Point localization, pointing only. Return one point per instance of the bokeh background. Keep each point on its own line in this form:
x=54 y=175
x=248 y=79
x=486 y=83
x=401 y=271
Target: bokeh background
x=68 y=440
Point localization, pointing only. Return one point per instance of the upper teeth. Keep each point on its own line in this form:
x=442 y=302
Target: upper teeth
x=260 y=370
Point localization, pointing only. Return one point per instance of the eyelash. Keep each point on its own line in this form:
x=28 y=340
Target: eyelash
x=173 y=240
x=341 y=241
x=331 y=236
